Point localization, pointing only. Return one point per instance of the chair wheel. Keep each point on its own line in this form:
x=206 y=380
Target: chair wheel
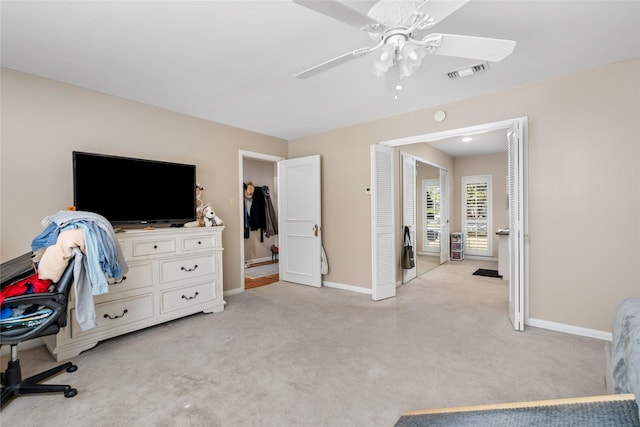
x=71 y=392
x=72 y=368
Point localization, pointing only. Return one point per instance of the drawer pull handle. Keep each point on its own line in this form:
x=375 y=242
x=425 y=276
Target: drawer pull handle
x=106 y=316
x=189 y=269
x=155 y=246
x=188 y=298
x=199 y=242
x=117 y=282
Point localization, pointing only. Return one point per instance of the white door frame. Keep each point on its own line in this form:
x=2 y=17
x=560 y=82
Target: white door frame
x=242 y=154
x=513 y=123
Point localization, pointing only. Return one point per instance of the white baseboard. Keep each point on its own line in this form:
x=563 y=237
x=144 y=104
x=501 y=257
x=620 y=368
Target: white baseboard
x=257 y=260
x=433 y=254
x=480 y=258
x=344 y=287
x=569 y=329
x=232 y=292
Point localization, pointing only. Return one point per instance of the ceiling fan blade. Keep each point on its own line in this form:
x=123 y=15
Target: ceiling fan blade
x=327 y=65
x=339 y=11
x=481 y=48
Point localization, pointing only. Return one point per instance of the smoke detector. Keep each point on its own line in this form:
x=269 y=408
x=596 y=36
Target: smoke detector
x=467 y=71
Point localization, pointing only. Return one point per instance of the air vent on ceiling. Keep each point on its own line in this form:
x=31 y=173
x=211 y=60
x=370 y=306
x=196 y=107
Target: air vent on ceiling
x=467 y=71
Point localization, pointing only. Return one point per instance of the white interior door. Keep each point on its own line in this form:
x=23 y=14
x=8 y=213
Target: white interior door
x=299 y=220
x=409 y=208
x=444 y=216
x=516 y=238
x=383 y=243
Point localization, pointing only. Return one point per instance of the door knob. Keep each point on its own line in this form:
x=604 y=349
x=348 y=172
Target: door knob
x=315 y=230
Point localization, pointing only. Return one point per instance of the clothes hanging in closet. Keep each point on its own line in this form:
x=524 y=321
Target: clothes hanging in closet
x=260 y=213
x=270 y=213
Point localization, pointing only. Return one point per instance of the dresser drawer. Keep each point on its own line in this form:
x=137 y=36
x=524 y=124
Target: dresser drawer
x=186 y=268
x=138 y=276
x=116 y=313
x=194 y=243
x=184 y=297
x=153 y=247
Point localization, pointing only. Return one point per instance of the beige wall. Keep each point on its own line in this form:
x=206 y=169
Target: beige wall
x=584 y=171
x=584 y=203
x=489 y=164
x=260 y=173
x=44 y=121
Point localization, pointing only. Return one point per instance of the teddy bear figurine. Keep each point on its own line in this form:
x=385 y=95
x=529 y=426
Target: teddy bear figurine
x=210 y=218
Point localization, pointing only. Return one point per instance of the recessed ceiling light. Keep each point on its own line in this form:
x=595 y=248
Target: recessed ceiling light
x=467 y=139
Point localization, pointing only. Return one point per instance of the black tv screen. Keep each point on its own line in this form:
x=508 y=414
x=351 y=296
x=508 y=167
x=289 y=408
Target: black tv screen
x=134 y=191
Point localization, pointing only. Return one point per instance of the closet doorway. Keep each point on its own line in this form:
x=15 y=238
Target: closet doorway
x=258 y=208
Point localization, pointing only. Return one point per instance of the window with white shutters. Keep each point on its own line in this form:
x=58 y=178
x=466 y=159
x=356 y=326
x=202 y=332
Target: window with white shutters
x=476 y=219
x=431 y=209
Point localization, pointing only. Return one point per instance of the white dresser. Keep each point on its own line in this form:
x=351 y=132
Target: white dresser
x=172 y=273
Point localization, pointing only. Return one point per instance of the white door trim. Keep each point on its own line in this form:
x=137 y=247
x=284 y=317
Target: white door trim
x=242 y=154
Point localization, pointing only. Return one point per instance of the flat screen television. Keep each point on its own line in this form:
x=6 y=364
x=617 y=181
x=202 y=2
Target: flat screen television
x=130 y=191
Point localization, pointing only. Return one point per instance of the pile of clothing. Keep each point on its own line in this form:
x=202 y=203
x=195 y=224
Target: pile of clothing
x=90 y=240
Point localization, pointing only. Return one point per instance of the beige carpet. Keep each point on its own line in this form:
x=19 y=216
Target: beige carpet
x=426 y=263
x=291 y=355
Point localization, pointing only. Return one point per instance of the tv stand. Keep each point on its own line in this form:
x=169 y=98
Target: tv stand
x=173 y=272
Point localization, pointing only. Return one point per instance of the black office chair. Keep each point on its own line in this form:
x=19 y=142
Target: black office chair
x=56 y=300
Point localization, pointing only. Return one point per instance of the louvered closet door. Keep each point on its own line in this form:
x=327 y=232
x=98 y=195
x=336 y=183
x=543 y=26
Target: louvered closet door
x=476 y=219
x=409 y=209
x=516 y=242
x=383 y=259
x=444 y=216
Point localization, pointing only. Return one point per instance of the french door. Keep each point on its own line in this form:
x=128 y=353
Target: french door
x=431 y=217
x=476 y=214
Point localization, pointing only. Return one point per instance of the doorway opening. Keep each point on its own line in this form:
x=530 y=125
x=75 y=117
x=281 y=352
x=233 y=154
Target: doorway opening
x=258 y=193
x=515 y=140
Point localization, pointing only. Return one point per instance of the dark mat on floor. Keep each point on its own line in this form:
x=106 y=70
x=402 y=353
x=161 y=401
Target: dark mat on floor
x=487 y=273
x=600 y=414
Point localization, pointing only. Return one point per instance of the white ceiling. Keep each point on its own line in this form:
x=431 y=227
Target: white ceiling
x=233 y=61
x=481 y=143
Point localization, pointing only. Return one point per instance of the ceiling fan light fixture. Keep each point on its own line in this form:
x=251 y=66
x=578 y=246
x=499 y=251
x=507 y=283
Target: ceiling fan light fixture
x=410 y=58
x=384 y=61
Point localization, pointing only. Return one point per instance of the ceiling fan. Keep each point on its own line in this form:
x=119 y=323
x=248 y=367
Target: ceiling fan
x=397 y=28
